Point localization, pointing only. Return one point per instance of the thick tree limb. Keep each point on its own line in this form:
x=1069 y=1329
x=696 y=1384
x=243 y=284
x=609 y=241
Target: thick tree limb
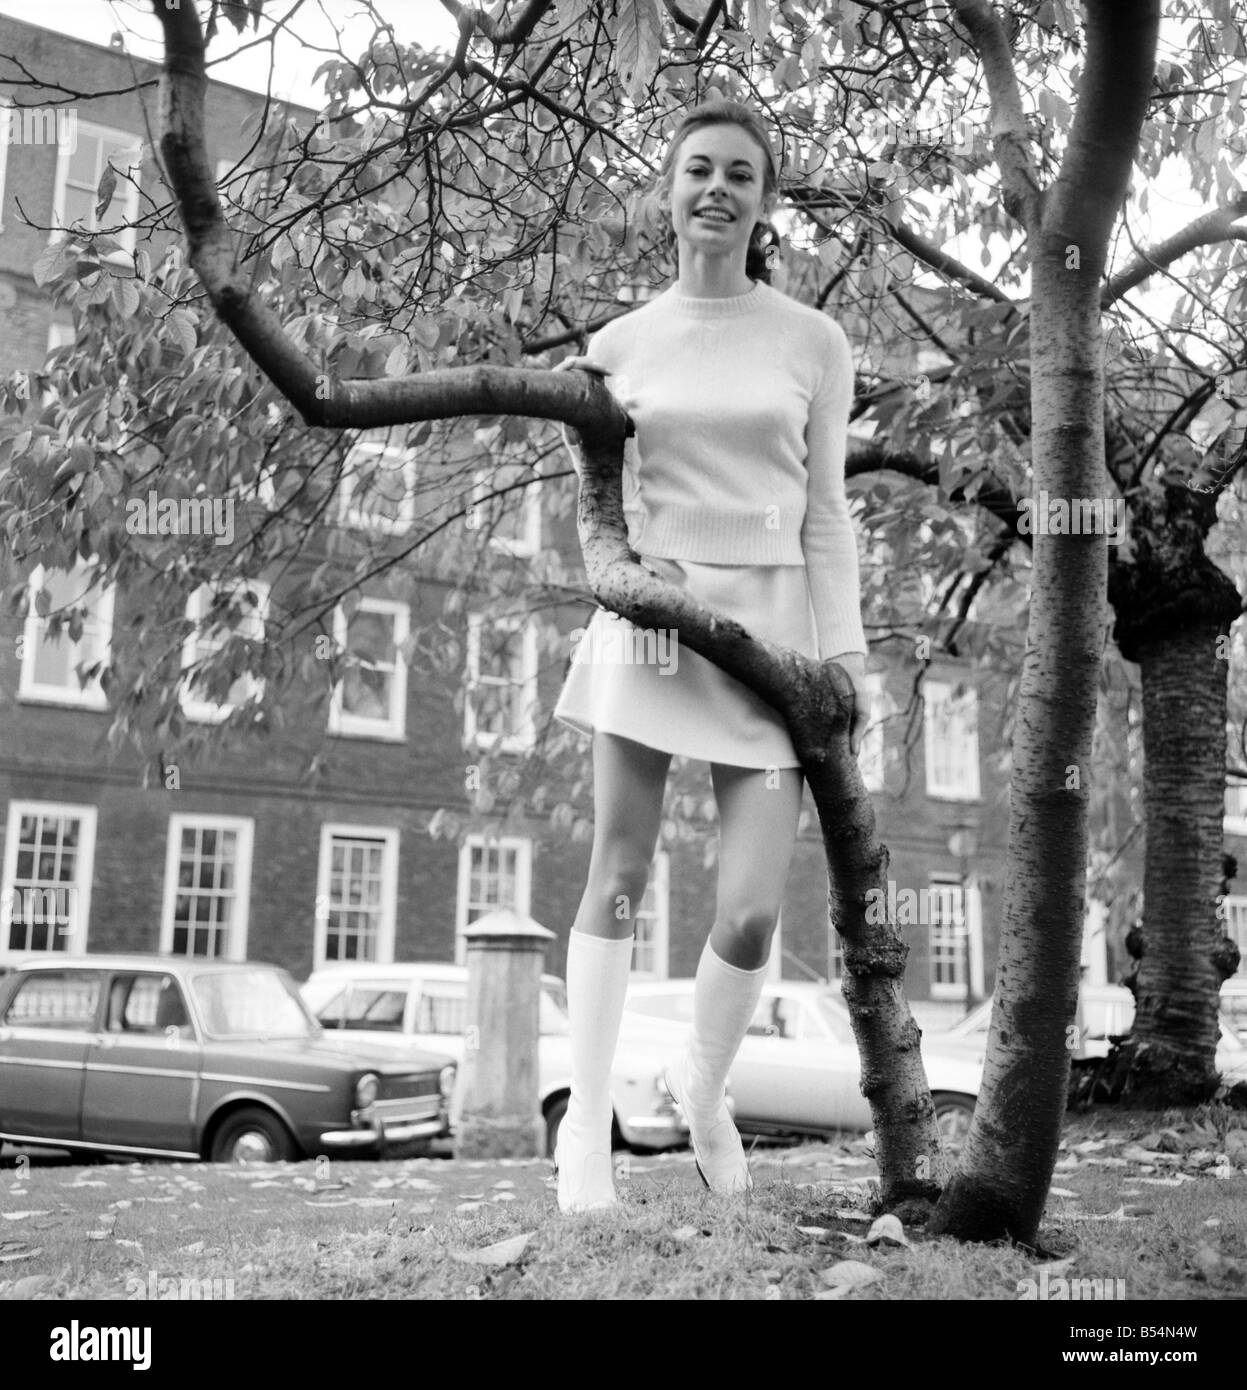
x=1214 y=226
x=1023 y=198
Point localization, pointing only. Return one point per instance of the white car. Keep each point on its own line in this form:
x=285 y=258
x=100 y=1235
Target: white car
x=1108 y=1012
x=423 y=1007
x=798 y=1071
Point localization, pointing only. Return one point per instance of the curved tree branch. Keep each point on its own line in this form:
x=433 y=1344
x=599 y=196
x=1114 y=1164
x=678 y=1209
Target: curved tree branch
x=1023 y=198
x=1214 y=226
x=516 y=32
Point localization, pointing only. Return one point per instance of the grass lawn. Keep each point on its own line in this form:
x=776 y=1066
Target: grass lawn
x=1149 y=1206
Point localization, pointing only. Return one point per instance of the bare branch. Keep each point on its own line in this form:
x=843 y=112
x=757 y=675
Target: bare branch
x=1214 y=226
x=516 y=32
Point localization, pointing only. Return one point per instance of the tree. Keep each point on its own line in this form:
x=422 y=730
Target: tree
x=438 y=139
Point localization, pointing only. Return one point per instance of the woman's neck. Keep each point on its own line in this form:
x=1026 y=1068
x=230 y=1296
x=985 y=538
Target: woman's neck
x=711 y=277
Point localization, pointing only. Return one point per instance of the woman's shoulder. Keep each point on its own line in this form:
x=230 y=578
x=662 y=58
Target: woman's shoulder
x=804 y=318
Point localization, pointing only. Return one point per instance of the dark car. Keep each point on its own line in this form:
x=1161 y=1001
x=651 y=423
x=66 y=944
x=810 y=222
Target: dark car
x=190 y=1058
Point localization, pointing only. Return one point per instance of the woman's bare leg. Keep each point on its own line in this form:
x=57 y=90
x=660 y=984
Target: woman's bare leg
x=628 y=784
x=758 y=812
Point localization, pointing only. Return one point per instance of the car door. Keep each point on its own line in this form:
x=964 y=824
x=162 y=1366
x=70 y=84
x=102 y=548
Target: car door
x=44 y=1036
x=792 y=1072
x=142 y=1067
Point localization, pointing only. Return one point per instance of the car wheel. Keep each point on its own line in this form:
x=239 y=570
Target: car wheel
x=252 y=1135
x=554 y=1118
x=953 y=1114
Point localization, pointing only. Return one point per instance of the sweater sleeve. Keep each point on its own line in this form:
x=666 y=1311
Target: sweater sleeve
x=828 y=540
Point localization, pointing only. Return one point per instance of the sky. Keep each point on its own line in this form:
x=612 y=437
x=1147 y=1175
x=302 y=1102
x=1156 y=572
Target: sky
x=421 y=21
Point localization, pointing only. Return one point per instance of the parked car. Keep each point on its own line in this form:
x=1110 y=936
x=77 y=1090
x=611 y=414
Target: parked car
x=798 y=1071
x=1108 y=1012
x=409 y=1004
x=190 y=1058
x=1234 y=1004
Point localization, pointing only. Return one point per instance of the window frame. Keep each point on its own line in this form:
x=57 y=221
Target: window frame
x=520 y=739
x=91 y=696
x=938 y=694
x=968 y=961
x=127 y=187
x=351 y=517
x=522 y=846
x=388 y=921
x=393 y=728
x=194 y=707
x=236 y=947
x=81 y=900
x=659 y=915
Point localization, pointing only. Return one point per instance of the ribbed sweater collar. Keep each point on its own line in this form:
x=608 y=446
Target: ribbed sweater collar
x=729 y=306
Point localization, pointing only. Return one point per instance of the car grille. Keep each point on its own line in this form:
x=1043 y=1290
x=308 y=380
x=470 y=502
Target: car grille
x=403 y=1087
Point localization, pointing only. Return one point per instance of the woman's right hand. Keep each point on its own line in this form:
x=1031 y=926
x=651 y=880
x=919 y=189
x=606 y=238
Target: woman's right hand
x=581 y=364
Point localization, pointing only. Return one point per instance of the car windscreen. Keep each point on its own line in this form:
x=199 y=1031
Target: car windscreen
x=250 y=1004
x=363 y=1004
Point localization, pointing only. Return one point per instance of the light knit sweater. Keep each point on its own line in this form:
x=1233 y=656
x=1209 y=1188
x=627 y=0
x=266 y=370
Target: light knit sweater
x=741 y=409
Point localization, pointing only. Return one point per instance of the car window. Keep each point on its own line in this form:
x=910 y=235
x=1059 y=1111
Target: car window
x=143 y=1003
x=443 y=1008
x=767 y=1020
x=251 y=1003
x=56 y=999
x=366 y=1004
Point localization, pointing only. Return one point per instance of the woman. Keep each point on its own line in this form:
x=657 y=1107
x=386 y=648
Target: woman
x=733 y=489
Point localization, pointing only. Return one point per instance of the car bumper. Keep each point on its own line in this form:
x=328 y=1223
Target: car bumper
x=379 y=1127
x=654 y=1131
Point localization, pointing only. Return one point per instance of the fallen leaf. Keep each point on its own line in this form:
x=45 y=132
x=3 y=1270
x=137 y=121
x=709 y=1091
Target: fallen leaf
x=195 y=1248
x=849 y=1274
x=29 y=1287
x=502 y=1252
x=684 y=1233
x=1063 y=1192
x=1176 y=1181
x=503 y=1183
x=1135 y=1154
x=469 y=1206
x=11 y=1250
x=887 y=1230
x=22 y=1215
x=503 y=1197
x=813 y=1230
x=1213 y=1221
x=1091 y=1146
x=134 y=1244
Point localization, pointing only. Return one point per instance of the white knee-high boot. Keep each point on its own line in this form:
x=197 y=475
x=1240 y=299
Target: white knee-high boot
x=597 y=980
x=724 y=1001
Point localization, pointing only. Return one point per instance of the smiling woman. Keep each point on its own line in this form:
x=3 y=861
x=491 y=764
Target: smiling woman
x=733 y=490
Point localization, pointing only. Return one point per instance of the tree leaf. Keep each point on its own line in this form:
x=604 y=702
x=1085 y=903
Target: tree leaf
x=638 y=46
x=502 y=1252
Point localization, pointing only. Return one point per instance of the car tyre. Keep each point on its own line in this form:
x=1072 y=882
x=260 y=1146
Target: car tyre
x=554 y=1118
x=252 y=1135
x=953 y=1114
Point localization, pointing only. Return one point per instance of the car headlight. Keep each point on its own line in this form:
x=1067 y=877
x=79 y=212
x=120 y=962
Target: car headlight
x=446 y=1080
x=366 y=1089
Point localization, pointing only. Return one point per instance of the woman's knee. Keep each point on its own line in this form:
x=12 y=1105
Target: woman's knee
x=749 y=926
x=618 y=879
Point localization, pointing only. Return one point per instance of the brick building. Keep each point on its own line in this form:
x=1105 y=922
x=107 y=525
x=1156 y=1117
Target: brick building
x=239 y=854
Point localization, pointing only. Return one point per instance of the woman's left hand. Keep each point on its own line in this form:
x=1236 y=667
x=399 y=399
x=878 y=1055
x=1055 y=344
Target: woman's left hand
x=854 y=666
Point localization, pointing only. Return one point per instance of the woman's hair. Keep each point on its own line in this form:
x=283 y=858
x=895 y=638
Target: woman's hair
x=721 y=112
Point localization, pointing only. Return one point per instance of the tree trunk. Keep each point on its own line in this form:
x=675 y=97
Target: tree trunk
x=1174 y=610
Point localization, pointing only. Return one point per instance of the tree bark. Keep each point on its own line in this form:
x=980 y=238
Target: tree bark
x=1174 y=605
x=1001 y=1185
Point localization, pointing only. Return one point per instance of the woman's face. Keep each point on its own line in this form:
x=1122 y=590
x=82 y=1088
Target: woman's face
x=717 y=192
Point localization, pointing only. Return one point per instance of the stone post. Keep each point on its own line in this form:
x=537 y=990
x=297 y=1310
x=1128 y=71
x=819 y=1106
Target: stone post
x=500 y=1115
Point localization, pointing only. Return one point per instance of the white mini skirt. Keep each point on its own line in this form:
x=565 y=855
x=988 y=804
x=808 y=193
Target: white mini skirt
x=647 y=687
